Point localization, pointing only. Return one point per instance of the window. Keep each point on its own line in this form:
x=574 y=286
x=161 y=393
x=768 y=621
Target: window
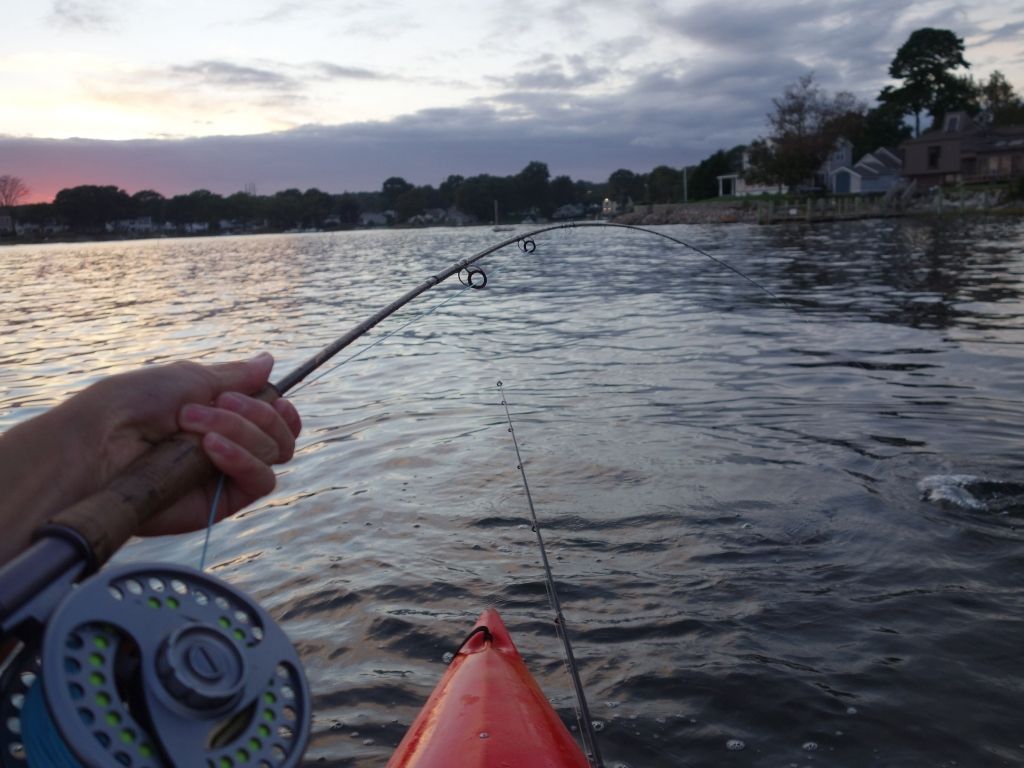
x=934 y=154
x=952 y=123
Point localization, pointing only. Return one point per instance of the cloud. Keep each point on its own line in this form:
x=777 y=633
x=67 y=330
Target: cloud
x=586 y=138
x=222 y=74
x=549 y=74
x=328 y=71
x=1010 y=33
x=81 y=14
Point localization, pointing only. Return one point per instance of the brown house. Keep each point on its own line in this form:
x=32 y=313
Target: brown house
x=964 y=151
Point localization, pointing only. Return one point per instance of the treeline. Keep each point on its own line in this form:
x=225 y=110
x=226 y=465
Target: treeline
x=531 y=193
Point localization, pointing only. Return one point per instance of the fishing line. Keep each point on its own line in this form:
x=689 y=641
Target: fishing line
x=583 y=711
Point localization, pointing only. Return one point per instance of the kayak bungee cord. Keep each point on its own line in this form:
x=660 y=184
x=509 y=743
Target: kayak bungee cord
x=583 y=711
x=152 y=664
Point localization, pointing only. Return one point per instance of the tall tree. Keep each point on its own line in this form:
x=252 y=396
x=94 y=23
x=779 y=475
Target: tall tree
x=999 y=101
x=393 y=188
x=12 y=191
x=927 y=65
x=531 y=187
x=805 y=126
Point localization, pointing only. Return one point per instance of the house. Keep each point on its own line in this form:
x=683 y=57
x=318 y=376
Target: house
x=6 y=224
x=569 y=211
x=734 y=184
x=963 y=150
x=456 y=218
x=143 y=224
x=875 y=173
x=841 y=156
x=372 y=219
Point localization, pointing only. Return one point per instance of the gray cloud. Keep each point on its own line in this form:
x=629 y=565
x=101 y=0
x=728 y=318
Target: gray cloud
x=329 y=71
x=223 y=74
x=81 y=14
x=550 y=74
x=1007 y=32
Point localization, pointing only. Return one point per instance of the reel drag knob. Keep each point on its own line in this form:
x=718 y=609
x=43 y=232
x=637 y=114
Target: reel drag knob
x=200 y=667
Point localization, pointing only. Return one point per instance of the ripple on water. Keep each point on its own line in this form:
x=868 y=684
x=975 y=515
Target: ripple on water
x=728 y=488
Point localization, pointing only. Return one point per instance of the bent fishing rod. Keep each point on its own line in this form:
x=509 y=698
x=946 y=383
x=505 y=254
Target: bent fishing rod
x=80 y=539
x=158 y=664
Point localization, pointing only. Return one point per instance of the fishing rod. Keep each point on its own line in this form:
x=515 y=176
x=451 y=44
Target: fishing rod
x=211 y=674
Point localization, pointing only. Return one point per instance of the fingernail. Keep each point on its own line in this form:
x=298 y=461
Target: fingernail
x=216 y=443
x=260 y=357
x=195 y=414
x=229 y=399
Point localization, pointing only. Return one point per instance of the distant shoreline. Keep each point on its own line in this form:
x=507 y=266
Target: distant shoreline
x=662 y=214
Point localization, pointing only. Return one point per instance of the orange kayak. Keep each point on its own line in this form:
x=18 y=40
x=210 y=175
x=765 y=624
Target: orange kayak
x=488 y=712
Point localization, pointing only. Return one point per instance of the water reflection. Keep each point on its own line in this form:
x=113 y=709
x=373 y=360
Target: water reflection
x=730 y=488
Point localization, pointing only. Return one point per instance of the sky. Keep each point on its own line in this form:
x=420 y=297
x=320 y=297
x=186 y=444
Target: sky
x=177 y=95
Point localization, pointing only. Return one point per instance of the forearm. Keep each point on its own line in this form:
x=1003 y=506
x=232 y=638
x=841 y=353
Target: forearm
x=41 y=472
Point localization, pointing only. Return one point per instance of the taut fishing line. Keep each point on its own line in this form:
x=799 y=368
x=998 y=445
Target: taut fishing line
x=561 y=627
x=151 y=665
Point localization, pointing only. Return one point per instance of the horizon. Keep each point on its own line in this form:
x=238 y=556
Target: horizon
x=277 y=94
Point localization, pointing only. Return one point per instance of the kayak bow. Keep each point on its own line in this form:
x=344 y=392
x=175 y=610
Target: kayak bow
x=488 y=711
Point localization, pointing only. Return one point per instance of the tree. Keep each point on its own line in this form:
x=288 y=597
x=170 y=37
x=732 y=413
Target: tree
x=926 y=64
x=703 y=182
x=90 y=207
x=805 y=126
x=882 y=126
x=665 y=184
x=196 y=207
x=12 y=191
x=999 y=103
x=449 y=189
x=531 y=187
x=147 y=202
x=562 y=191
x=392 y=189
x=624 y=185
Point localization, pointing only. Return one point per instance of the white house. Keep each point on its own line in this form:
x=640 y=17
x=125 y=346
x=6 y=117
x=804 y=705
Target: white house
x=143 y=224
x=875 y=173
x=733 y=184
x=6 y=223
x=371 y=219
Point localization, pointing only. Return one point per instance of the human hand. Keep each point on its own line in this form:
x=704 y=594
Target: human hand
x=74 y=450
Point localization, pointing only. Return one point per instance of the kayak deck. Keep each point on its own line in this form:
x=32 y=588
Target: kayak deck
x=488 y=711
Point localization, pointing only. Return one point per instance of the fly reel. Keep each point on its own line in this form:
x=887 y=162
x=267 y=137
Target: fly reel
x=156 y=666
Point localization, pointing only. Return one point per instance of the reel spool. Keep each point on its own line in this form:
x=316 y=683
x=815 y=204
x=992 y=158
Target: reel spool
x=154 y=666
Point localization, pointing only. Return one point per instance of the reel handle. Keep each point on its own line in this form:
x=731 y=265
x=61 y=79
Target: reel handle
x=104 y=521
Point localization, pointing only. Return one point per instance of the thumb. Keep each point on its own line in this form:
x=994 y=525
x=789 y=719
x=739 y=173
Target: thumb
x=245 y=376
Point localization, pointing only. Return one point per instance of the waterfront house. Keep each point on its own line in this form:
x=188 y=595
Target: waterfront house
x=373 y=219
x=876 y=172
x=841 y=156
x=736 y=185
x=140 y=225
x=456 y=218
x=965 y=151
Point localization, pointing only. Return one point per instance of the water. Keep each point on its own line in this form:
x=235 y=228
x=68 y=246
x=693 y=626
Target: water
x=798 y=533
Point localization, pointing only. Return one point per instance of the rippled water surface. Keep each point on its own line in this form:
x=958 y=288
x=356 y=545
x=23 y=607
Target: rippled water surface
x=791 y=529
